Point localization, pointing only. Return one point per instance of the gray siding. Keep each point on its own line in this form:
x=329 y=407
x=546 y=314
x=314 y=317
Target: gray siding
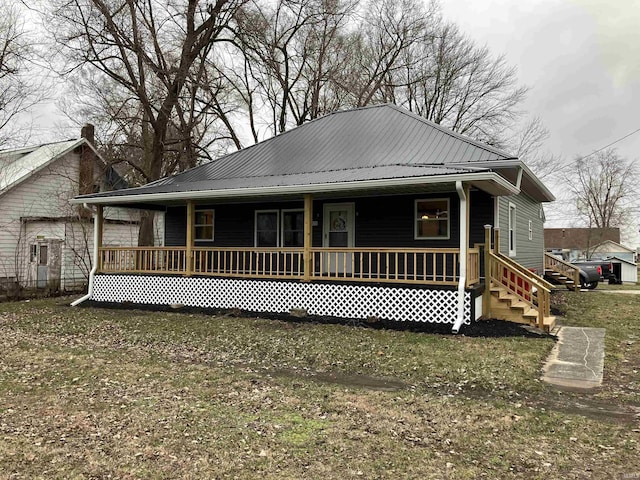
x=529 y=253
x=480 y=214
x=380 y=221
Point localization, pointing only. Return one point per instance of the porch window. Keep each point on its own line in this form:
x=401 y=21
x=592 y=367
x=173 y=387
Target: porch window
x=432 y=218
x=293 y=228
x=512 y=229
x=267 y=228
x=204 y=225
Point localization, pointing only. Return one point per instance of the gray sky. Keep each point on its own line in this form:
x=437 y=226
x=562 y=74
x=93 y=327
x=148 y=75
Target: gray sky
x=581 y=60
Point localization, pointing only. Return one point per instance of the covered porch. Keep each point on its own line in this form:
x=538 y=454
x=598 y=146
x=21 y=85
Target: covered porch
x=427 y=284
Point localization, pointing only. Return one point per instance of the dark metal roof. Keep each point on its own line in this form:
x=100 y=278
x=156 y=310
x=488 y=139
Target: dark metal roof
x=371 y=143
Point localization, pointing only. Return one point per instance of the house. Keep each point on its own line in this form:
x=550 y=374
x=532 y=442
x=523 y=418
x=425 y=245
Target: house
x=578 y=243
x=46 y=242
x=373 y=212
x=609 y=248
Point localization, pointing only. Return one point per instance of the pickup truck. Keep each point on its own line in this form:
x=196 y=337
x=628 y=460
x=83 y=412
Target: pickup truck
x=605 y=268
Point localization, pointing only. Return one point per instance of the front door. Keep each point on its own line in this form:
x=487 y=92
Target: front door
x=338 y=232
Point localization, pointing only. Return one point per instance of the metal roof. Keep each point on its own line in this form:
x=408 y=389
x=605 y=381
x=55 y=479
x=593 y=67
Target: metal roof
x=17 y=165
x=381 y=142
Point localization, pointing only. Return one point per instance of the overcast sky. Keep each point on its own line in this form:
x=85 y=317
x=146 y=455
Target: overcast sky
x=581 y=60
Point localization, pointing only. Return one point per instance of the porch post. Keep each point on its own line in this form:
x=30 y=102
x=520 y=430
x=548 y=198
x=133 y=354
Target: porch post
x=308 y=237
x=496 y=240
x=462 y=253
x=191 y=213
x=99 y=227
x=486 y=295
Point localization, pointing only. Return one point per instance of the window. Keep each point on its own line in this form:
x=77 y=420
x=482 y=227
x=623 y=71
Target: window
x=267 y=228
x=204 y=225
x=34 y=252
x=530 y=231
x=512 y=229
x=44 y=255
x=432 y=218
x=293 y=228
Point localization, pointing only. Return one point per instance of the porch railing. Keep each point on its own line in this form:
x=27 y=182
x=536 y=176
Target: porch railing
x=249 y=262
x=394 y=265
x=167 y=260
x=528 y=287
x=402 y=265
x=473 y=266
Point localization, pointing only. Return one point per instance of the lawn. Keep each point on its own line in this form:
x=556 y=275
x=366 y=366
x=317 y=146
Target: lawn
x=112 y=393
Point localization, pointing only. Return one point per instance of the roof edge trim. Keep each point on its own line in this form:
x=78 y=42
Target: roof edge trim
x=508 y=187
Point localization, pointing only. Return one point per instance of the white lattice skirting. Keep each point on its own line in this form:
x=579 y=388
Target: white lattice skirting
x=325 y=299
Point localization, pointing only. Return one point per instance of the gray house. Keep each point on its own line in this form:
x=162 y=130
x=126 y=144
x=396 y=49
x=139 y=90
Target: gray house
x=373 y=212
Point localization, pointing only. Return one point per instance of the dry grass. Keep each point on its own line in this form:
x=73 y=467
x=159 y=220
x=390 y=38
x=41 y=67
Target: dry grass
x=93 y=393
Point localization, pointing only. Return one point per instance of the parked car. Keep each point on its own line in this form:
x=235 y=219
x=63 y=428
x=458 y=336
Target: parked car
x=606 y=268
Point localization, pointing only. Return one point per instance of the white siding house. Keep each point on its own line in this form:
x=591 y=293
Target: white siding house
x=44 y=240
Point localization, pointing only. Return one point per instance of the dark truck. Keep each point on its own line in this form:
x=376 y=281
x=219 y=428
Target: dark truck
x=603 y=268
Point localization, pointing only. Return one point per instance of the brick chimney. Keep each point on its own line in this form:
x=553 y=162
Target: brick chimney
x=87 y=161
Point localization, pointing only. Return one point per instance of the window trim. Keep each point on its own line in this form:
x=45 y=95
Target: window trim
x=415 y=218
x=255 y=227
x=213 y=225
x=511 y=239
x=281 y=219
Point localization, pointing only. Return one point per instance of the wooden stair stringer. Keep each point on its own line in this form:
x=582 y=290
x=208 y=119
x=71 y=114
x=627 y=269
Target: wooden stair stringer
x=508 y=307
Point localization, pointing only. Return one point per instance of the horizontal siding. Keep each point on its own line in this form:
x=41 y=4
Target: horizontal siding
x=47 y=194
x=481 y=206
x=380 y=222
x=529 y=253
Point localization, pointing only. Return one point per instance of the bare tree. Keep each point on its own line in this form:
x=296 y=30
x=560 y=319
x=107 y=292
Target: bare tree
x=603 y=187
x=147 y=50
x=461 y=86
x=527 y=143
x=291 y=51
x=20 y=88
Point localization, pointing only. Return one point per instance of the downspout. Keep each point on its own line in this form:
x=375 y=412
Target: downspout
x=462 y=257
x=94 y=267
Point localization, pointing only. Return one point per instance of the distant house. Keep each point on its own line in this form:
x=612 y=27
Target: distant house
x=577 y=243
x=366 y=213
x=44 y=240
x=609 y=248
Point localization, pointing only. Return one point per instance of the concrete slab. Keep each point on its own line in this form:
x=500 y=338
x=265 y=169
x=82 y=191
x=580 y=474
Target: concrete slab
x=577 y=359
x=628 y=292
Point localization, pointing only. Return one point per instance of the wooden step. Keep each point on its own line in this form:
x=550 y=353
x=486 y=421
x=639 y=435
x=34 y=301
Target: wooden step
x=520 y=305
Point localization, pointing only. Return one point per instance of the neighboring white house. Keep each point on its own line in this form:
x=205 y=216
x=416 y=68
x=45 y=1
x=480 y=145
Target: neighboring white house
x=609 y=248
x=44 y=240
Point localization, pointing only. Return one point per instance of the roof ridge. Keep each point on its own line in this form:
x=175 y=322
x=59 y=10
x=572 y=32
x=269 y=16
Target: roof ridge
x=35 y=147
x=449 y=131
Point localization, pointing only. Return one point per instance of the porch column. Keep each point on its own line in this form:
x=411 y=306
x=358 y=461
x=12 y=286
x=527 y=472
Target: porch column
x=486 y=295
x=308 y=237
x=191 y=213
x=97 y=235
x=496 y=240
x=463 y=191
